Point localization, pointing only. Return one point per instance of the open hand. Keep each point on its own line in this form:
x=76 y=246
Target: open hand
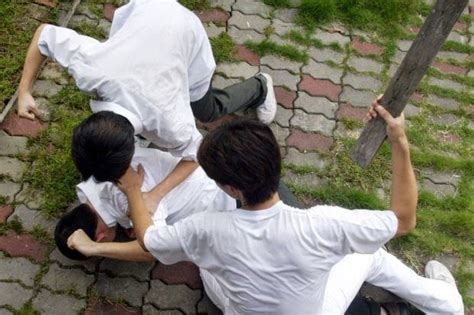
x=395 y=126
x=132 y=180
x=81 y=242
x=27 y=107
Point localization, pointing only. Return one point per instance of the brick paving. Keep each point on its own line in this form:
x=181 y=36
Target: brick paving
x=315 y=99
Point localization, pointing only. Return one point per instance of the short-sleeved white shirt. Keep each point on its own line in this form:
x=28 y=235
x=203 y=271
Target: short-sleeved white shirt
x=156 y=61
x=195 y=194
x=273 y=261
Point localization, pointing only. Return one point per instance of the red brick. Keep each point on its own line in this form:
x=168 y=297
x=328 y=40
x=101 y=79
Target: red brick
x=460 y=26
x=416 y=97
x=348 y=111
x=109 y=10
x=449 y=68
x=180 y=273
x=5 y=212
x=309 y=141
x=217 y=16
x=243 y=53
x=48 y=3
x=100 y=307
x=365 y=48
x=471 y=57
x=213 y=125
x=22 y=245
x=317 y=87
x=15 y=125
x=447 y=137
x=414 y=30
x=285 y=97
x=471 y=11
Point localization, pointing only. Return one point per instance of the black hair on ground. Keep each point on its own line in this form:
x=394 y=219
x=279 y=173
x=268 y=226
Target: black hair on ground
x=103 y=146
x=245 y=155
x=81 y=217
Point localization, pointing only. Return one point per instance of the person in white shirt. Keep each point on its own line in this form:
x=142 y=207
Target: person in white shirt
x=271 y=258
x=155 y=69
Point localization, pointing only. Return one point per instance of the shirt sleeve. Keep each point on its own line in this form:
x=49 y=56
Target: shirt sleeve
x=62 y=44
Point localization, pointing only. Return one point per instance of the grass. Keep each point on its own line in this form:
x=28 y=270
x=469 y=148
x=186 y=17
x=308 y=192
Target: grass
x=195 y=4
x=223 y=48
x=267 y=47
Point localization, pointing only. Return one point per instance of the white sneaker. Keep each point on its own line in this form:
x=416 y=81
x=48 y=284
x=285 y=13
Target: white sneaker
x=436 y=270
x=267 y=111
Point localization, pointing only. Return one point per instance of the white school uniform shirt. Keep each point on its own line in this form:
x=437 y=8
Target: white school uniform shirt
x=195 y=194
x=156 y=61
x=272 y=261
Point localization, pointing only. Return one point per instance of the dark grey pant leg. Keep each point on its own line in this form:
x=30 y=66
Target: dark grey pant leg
x=240 y=96
x=287 y=196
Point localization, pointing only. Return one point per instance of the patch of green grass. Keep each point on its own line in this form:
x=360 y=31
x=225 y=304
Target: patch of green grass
x=463 y=97
x=223 y=48
x=13 y=224
x=40 y=234
x=3 y=201
x=268 y=47
x=303 y=39
x=26 y=309
x=91 y=30
x=278 y=3
x=458 y=47
x=351 y=124
x=195 y=4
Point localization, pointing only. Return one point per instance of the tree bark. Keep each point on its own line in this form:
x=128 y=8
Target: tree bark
x=431 y=37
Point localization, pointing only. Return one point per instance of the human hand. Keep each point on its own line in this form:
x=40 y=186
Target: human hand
x=395 y=126
x=132 y=180
x=81 y=242
x=27 y=107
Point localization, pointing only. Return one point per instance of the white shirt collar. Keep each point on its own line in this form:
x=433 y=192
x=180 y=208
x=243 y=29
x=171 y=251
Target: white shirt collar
x=98 y=106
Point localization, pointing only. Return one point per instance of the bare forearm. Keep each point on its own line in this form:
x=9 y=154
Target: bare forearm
x=33 y=62
x=140 y=216
x=129 y=251
x=182 y=171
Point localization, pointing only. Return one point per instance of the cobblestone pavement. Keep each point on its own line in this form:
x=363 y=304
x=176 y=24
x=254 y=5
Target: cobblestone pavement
x=317 y=101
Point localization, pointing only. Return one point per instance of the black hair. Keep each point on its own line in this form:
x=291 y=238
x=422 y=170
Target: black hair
x=103 y=146
x=81 y=217
x=245 y=155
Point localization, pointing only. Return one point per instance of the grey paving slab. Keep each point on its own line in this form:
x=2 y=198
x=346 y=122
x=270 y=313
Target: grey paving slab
x=104 y=26
x=329 y=38
x=304 y=180
x=281 y=28
x=456 y=37
x=172 y=296
x=44 y=112
x=326 y=54
x=12 y=168
x=281 y=63
x=248 y=22
x=399 y=56
x=313 y=123
x=30 y=197
x=20 y=269
x=59 y=279
x=439 y=190
x=282 y=77
x=151 y=310
x=4 y=311
x=343 y=132
x=237 y=70
x=323 y=71
x=446 y=103
x=57 y=304
x=365 y=65
x=283 y=116
x=286 y=15
x=358 y=98
x=308 y=159
x=32 y=218
x=280 y=134
x=139 y=270
x=220 y=82
x=79 y=19
x=85 y=9
x=286 y=42
x=12 y=145
x=8 y=189
x=411 y=111
x=445 y=119
x=89 y=265
x=46 y=88
x=127 y=289
x=224 y=4
x=392 y=70
x=362 y=82
x=213 y=30
x=241 y=36
x=316 y=105
x=14 y=295
x=447 y=84
x=471 y=74
x=441 y=177
x=404 y=45
x=452 y=55
x=252 y=7
x=53 y=71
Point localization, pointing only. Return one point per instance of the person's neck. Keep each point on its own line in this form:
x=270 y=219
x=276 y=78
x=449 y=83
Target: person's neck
x=263 y=205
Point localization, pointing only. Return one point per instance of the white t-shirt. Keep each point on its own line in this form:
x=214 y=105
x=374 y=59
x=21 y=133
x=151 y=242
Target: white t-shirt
x=195 y=194
x=156 y=61
x=273 y=261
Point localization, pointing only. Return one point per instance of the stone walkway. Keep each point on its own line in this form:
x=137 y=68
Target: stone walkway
x=317 y=102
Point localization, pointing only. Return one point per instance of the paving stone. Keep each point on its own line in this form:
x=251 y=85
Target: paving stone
x=285 y=97
x=12 y=145
x=44 y=114
x=283 y=116
x=224 y=4
x=15 y=125
x=348 y=111
x=313 y=123
x=245 y=54
x=343 y=132
x=54 y=304
x=183 y=272
x=31 y=197
x=220 y=82
x=48 y=3
x=357 y=98
x=449 y=68
x=281 y=28
x=280 y=63
x=59 y=279
x=441 y=177
x=318 y=87
x=84 y=9
x=38 y=13
x=336 y=27
x=445 y=119
x=237 y=70
x=316 y=105
x=286 y=15
x=8 y=190
x=451 y=262
x=151 y=310
x=104 y=26
x=471 y=74
x=89 y=264
x=165 y=296
x=100 y=307
x=304 y=180
x=392 y=70
x=365 y=65
x=447 y=137
x=455 y=36
x=217 y=16
x=139 y=270
x=452 y=55
x=399 y=56
x=18 y=269
x=449 y=84
x=306 y=141
x=127 y=289
x=362 y=82
x=108 y=11
x=78 y=20
x=46 y=88
x=213 y=30
x=14 y=295
x=5 y=212
x=439 y=190
x=23 y=245
x=252 y=7
x=446 y=103
x=326 y=54
x=411 y=111
x=249 y=22
x=328 y=38
x=53 y=71
x=365 y=48
x=284 y=41
x=205 y=306
x=323 y=71
x=282 y=77
x=309 y=159
x=4 y=311
x=280 y=134
x=31 y=218
x=13 y=168
x=404 y=45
